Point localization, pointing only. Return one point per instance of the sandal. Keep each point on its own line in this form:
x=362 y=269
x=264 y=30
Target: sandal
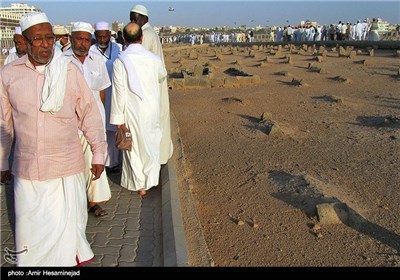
x=98 y=211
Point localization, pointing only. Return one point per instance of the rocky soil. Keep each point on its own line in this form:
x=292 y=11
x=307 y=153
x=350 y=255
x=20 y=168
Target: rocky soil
x=297 y=168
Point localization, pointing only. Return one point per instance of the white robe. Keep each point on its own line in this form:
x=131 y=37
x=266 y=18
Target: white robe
x=141 y=114
x=152 y=43
x=113 y=157
x=50 y=222
x=96 y=76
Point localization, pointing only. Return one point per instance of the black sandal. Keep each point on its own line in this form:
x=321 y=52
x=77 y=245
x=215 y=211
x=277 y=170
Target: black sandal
x=98 y=211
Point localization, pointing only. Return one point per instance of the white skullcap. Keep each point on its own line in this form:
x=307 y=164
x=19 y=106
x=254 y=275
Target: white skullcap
x=82 y=26
x=18 y=30
x=59 y=30
x=140 y=9
x=102 y=25
x=31 y=19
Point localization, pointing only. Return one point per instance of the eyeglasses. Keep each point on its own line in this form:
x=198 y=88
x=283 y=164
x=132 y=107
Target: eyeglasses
x=37 y=41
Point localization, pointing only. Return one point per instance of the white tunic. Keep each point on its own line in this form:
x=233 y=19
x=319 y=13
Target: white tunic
x=113 y=158
x=96 y=76
x=141 y=114
x=152 y=43
x=109 y=56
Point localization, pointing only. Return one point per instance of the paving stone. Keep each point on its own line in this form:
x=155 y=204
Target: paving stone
x=112 y=250
x=125 y=241
x=110 y=260
x=117 y=232
x=128 y=253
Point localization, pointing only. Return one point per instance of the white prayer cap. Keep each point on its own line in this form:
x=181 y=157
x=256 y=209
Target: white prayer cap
x=18 y=30
x=102 y=25
x=82 y=26
x=31 y=19
x=59 y=30
x=140 y=9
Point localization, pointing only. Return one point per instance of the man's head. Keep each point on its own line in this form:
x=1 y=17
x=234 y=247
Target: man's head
x=81 y=38
x=103 y=34
x=38 y=34
x=61 y=34
x=19 y=42
x=139 y=15
x=133 y=33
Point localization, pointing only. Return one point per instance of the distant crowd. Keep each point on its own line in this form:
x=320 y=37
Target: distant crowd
x=359 y=31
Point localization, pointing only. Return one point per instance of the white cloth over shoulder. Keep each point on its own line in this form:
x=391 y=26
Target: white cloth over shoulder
x=55 y=82
x=133 y=82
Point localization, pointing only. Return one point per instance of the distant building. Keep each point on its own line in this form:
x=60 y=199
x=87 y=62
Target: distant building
x=383 y=26
x=9 y=19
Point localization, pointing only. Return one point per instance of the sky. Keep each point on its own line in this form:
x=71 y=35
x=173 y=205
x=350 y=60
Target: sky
x=205 y=13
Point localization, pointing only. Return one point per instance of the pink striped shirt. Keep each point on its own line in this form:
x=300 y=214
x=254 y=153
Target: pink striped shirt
x=47 y=145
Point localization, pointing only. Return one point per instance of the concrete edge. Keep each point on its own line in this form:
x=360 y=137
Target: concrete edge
x=198 y=251
x=174 y=242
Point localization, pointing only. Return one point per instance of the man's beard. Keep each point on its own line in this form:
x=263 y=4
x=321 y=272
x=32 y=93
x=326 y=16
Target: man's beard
x=81 y=52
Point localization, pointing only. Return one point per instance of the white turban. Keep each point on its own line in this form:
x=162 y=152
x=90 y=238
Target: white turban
x=102 y=25
x=82 y=26
x=18 y=30
x=31 y=19
x=140 y=9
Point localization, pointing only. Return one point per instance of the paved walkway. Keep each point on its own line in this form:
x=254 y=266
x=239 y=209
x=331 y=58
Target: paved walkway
x=137 y=231
x=131 y=235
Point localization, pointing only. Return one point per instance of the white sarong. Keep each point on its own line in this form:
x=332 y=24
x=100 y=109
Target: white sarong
x=50 y=222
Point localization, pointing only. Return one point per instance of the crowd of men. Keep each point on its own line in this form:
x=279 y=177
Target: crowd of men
x=63 y=96
x=359 y=31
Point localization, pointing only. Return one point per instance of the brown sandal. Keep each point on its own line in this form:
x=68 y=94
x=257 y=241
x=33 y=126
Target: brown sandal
x=98 y=211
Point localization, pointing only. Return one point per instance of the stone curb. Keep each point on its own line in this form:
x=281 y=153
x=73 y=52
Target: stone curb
x=174 y=243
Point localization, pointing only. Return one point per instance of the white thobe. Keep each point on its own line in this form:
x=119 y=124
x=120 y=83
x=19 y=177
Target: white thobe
x=140 y=111
x=111 y=53
x=152 y=43
x=96 y=76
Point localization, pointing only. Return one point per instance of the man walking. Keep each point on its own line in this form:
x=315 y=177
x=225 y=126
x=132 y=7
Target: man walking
x=109 y=51
x=44 y=99
x=151 y=42
x=95 y=72
x=138 y=74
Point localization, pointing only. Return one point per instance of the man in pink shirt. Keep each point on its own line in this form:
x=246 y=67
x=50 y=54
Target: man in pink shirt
x=44 y=99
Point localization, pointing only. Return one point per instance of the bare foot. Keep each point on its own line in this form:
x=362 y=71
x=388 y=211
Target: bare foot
x=142 y=192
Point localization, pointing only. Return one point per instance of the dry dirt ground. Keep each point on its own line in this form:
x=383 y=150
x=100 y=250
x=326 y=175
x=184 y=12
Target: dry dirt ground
x=332 y=141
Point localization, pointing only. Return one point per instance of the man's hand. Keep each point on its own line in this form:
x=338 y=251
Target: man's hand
x=5 y=177
x=97 y=169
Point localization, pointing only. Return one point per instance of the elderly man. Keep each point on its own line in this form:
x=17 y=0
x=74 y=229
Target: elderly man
x=20 y=46
x=136 y=104
x=95 y=72
x=44 y=99
x=151 y=42
x=109 y=51
x=62 y=37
